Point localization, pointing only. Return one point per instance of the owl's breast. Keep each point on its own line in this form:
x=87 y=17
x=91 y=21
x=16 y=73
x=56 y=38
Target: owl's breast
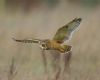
x=53 y=44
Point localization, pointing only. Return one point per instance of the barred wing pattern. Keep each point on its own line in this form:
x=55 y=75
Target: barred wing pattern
x=65 y=32
x=27 y=40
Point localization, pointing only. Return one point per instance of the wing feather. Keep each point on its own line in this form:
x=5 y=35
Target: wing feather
x=27 y=40
x=65 y=32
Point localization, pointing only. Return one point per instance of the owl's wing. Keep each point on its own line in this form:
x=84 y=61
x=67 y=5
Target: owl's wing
x=27 y=40
x=65 y=32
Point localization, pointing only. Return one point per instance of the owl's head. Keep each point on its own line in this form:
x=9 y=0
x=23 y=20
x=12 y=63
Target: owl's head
x=43 y=44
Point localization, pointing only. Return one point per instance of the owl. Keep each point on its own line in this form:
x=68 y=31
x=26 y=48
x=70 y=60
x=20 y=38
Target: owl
x=64 y=33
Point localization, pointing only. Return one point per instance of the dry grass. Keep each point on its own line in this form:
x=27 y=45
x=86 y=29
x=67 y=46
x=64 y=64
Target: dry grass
x=43 y=23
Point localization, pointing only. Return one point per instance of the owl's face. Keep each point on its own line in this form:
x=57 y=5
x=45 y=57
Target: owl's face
x=43 y=44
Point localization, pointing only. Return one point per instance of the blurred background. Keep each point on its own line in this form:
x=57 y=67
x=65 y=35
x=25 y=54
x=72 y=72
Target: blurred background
x=25 y=19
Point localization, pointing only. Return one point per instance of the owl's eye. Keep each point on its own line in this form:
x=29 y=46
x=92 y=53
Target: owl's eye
x=43 y=45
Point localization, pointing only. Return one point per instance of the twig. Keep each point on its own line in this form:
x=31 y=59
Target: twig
x=12 y=70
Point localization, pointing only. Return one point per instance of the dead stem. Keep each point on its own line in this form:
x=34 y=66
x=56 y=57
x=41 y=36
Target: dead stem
x=12 y=70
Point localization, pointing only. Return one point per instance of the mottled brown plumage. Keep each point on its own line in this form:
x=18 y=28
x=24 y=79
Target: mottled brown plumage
x=63 y=34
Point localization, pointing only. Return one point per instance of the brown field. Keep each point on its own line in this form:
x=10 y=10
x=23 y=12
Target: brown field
x=43 y=23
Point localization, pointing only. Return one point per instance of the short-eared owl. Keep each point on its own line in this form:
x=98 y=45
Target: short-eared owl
x=63 y=33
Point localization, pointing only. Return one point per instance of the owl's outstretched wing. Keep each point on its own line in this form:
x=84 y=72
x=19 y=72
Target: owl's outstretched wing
x=65 y=32
x=27 y=40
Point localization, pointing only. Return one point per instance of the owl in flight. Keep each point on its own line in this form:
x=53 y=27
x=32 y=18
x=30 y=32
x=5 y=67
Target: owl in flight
x=64 y=33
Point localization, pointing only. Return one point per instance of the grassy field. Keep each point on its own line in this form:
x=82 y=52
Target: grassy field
x=43 y=23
